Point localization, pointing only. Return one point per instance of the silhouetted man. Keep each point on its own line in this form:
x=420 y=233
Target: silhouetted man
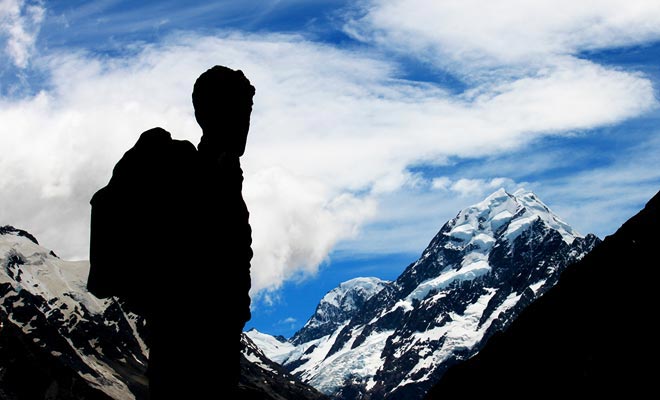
x=170 y=237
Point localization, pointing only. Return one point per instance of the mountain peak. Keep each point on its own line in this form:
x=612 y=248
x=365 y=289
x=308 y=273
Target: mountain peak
x=521 y=192
x=343 y=295
x=338 y=306
x=538 y=209
x=502 y=213
x=569 y=333
x=499 y=193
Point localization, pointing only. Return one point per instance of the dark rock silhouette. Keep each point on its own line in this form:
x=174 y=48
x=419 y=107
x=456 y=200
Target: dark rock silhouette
x=28 y=371
x=171 y=212
x=591 y=335
x=8 y=229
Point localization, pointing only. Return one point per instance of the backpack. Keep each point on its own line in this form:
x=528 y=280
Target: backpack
x=136 y=217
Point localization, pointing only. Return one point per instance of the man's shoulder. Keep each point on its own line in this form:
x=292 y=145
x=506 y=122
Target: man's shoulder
x=158 y=139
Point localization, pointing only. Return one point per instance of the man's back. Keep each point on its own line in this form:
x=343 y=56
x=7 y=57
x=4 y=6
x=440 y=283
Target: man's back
x=170 y=236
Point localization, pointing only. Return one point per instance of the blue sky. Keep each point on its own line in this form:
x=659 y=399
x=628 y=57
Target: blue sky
x=374 y=122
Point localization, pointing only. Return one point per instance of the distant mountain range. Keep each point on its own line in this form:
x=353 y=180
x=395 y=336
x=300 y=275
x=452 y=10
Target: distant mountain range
x=371 y=339
x=57 y=341
x=466 y=311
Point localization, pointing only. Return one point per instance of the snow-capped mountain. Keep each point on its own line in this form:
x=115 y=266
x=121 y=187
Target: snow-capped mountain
x=66 y=335
x=58 y=341
x=338 y=307
x=277 y=348
x=589 y=336
x=476 y=275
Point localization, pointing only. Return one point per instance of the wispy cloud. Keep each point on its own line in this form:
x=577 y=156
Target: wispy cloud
x=600 y=199
x=20 y=22
x=478 y=187
x=288 y=323
x=503 y=37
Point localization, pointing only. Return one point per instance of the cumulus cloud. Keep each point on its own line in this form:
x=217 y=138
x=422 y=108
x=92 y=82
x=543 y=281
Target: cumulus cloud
x=296 y=221
x=333 y=133
x=20 y=22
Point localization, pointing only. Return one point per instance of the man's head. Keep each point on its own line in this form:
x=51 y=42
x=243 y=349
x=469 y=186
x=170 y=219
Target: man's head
x=222 y=99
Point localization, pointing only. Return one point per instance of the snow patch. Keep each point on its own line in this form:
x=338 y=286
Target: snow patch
x=273 y=348
x=536 y=286
x=363 y=361
x=254 y=359
x=475 y=269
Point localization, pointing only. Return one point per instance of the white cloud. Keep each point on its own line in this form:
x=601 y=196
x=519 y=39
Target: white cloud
x=480 y=188
x=472 y=187
x=288 y=320
x=327 y=123
x=333 y=133
x=296 y=222
x=472 y=34
x=592 y=196
x=441 y=183
x=19 y=23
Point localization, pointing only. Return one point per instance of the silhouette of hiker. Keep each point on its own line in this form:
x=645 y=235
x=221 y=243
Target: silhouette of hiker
x=170 y=237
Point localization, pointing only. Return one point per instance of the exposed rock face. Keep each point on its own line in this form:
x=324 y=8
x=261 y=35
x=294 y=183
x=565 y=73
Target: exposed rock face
x=338 y=307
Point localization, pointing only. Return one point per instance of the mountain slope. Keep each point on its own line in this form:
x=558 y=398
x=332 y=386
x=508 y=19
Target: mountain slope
x=277 y=348
x=30 y=372
x=476 y=275
x=263 y=379
x=590 y=333
x=338 y=307
x=44 y=306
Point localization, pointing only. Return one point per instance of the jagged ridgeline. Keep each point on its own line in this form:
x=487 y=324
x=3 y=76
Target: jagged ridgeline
x=57 y=341
x=393 y=340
